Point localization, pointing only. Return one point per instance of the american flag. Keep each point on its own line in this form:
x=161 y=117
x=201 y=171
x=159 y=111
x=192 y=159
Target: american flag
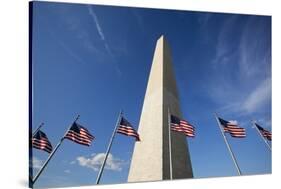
x=40 y=141
x=232 y=128
x=126 y=128
x=79 y=134
x=265 y=133
x=183 y=126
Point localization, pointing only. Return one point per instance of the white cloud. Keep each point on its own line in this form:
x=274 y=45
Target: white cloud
x=36 y=163
x=264 y=122
x=96 y=21
x=259 y=97
x=223 y=50
x=139 y=20
x=70 y=52
x=253 y=101
x=254 y=54
x=67 y=171
x=95 y=161
x=102 y=36
x=247 y=88
x=72 y=162
x=203 y=19
x=235 y=122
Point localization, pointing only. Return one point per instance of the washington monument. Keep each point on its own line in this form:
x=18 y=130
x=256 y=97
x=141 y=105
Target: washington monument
x=151 y=157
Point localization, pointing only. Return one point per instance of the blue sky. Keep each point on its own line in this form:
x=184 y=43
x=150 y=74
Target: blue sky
x=94 y=60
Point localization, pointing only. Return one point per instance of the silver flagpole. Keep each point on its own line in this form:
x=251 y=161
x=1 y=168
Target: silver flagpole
x=53 y=152
x=109 y=147
x=39 y=127
x=254 y=123
x=170 y=145
x=228 y=146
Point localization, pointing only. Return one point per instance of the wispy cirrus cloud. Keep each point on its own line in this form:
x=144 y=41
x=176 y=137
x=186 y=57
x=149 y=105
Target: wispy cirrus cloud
x=87 y=45
x=72 y=26
x=139 y=20
x=70 y=52
x=103 y=38
x=204 y=20
x=254 y=49
x=253 y=101
x=67 y=171
x=224 y=49
x=243 y=82
x=258 y=97
x=95 y=161
x=96 y=21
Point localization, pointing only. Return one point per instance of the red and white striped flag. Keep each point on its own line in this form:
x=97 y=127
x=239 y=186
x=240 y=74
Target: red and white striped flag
x=79 y=134
x=232 y=128
x=40 y=141
x=265 y=133
x=183 y=126
x=126 y=128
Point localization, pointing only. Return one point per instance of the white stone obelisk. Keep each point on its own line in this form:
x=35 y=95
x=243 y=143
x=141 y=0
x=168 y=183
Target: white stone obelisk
x=151 y=159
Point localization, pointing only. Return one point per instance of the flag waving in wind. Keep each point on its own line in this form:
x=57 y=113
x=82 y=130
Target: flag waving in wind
x=183 y=126
x=40 y=141
x=126 y=128
x=265 y=133
x=79 y=134
x=232 y=128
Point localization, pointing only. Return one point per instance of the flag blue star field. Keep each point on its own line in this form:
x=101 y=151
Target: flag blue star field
x=79 y=134
x=40 y=141
x=265 y=133
x=183 y=126
x=232 y=128
x=126 y=128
